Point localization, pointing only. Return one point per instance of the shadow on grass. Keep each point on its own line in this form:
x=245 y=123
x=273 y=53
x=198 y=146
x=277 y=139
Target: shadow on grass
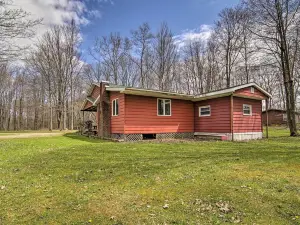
x=79 y=137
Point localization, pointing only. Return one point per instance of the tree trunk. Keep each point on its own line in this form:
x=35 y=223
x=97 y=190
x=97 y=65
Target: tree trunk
x=15 y=115
x=21 y=114
x=287 y=73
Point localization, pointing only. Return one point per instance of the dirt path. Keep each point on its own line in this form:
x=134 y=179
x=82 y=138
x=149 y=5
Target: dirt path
x=30 y=135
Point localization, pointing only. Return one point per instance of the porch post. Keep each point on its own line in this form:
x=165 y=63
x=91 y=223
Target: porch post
x=231 y=117
x=267 y=117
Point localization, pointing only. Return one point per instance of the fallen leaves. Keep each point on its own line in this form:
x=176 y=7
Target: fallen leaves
x=224 y=207
x=166 y=206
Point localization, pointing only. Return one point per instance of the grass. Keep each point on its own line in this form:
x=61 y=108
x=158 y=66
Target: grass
x=76 y=180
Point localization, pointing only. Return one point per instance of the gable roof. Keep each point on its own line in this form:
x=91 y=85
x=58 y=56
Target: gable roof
x=173 y=95
x=231 y=90
x=89 y=97
x=162 y=94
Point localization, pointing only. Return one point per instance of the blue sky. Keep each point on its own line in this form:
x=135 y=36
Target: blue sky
x=124 y=15
x=187 y=18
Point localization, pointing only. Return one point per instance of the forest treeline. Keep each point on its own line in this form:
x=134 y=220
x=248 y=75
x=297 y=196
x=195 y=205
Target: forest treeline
x=255 y=41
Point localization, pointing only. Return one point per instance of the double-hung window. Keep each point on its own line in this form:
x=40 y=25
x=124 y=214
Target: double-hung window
x=163 y=107
x=204 y=110
x=115 y=107
x=247 y=110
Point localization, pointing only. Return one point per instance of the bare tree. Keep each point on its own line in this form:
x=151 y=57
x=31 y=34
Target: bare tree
x=194 y=54
x=58 y=62
x=228 y=33
x=247 y=44
x=213 y=66
x=276 y=24
x=14 y=24
x=165 y=52
x=141 y=39
x=109 y=52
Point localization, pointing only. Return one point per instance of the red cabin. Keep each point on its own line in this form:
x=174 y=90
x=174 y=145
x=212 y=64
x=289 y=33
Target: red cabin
x=135 y=114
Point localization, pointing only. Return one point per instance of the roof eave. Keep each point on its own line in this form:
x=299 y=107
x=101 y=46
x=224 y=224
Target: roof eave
x=120 y=89
x=255 y=85
x=207 y=97
x=163 y=94
x=157 y=94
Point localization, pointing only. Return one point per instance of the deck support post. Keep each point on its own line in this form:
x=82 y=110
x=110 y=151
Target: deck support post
x=231 y=117
x=267 y=118
x=82 y=127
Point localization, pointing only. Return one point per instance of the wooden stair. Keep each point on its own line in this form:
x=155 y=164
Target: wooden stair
x=210 y=136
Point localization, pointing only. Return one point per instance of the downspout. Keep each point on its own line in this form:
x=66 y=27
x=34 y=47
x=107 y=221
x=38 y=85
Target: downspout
x=231 y=117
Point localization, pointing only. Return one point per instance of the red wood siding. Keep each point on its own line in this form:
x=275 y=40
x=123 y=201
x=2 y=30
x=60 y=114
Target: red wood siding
x=96 y=92
x=247 y=93
x=141 y=116
x=87 y=105
x=276 y=117
x=243 y=123
x=219 y=121
x=117 y=122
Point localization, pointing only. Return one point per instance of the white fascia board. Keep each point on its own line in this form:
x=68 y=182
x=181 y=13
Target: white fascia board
x=95 y=102
x=211 y=96
x=157 y=94
x=115 y=88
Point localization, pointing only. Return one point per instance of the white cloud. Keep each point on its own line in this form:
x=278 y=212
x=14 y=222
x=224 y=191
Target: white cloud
x=55 y=12
x=202 y=33
x=58 y=12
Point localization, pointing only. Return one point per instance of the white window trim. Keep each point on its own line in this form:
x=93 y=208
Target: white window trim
x=250 y=106
x=113 y=107
x=252 y=90
x=164 y=99
x=201 y=107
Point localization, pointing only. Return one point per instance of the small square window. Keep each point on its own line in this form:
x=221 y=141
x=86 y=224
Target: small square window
x=115 y=107
x=204 y=111
x=252 y=90
x=163 y=107
x=247 y=110
x=284 y=117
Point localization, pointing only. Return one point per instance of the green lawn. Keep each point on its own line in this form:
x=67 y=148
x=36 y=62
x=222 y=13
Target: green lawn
x=75 y=180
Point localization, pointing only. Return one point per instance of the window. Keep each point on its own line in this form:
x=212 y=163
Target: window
x=252 y=90
x=204 y=110
x=163 y=107
x=247 y=110
x=115 y=107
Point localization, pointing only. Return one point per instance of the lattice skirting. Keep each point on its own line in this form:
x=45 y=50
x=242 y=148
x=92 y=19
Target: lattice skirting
x=175 y=136
x=139 y=137
x=133 y=137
